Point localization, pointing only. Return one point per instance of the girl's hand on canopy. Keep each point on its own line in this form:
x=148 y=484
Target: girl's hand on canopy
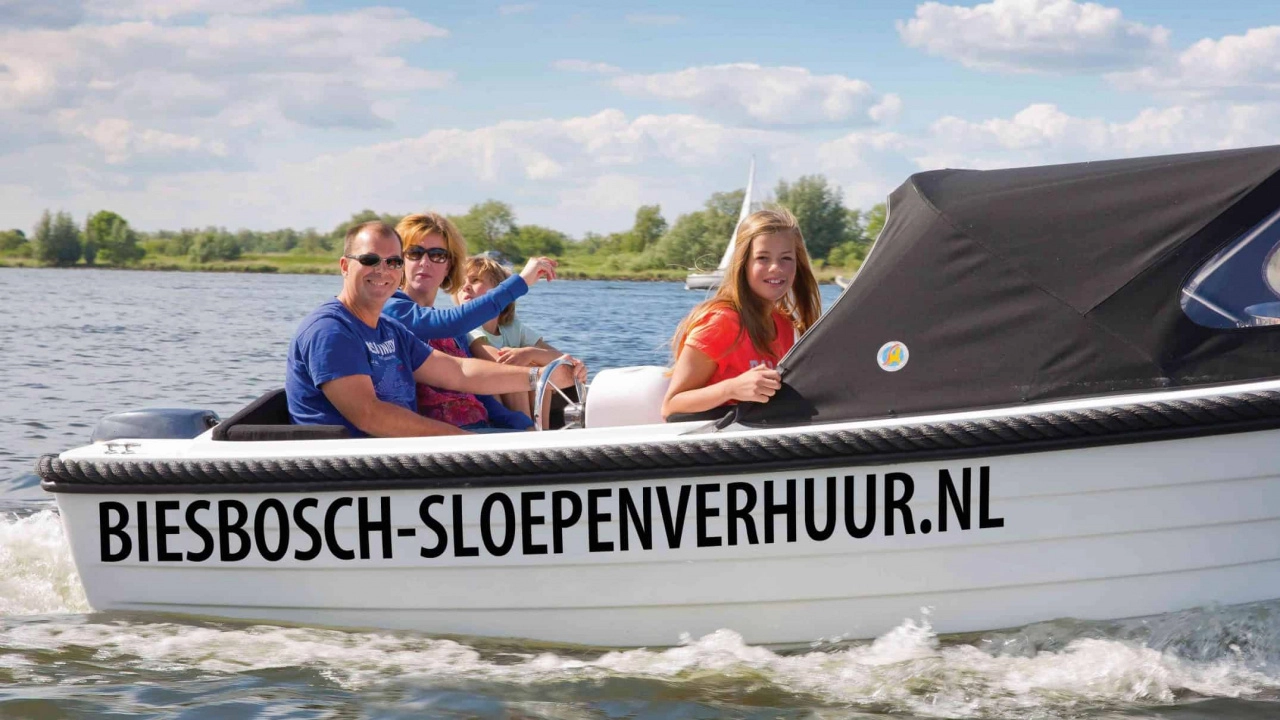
x=539 y=267
x=755 y=385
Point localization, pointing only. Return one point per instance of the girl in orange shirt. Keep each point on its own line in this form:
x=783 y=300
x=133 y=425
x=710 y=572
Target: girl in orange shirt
x=726 y=349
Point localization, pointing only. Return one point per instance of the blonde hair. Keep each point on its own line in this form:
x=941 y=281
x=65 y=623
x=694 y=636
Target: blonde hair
x=492 y=272
x=412 y=230
x=802 y=304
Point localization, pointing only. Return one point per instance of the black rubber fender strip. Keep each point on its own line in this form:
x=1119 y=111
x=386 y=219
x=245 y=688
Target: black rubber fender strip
x=703 y=455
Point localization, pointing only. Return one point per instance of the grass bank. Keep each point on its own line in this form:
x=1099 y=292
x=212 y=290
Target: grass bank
x=572 y=267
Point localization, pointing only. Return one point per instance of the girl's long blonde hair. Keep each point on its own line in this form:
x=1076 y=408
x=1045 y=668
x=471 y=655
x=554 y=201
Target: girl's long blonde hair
x=802 y=305
x=413 y=228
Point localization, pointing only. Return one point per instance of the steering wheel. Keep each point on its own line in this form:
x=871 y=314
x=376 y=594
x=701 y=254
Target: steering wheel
x=574 y=412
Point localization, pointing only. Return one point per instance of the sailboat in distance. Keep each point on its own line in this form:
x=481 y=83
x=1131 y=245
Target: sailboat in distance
x=711 y=280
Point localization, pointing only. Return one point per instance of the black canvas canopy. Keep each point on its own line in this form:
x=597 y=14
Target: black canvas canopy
x=1033 y=284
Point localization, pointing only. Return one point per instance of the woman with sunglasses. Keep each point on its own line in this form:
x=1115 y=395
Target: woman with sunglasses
x=433 y=255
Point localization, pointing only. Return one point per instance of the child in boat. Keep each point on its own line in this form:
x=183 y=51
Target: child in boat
x=433 y=249
x=727 y=348
x=504 y=339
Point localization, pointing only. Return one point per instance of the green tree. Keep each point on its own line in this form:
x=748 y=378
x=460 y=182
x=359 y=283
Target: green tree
x=14 y=242
x=685 y=245
x=214 y=244
x=728 y=204
x=847 y=255
x=820 y=211
x=649 y=227
x=876 y=217
x=698 y=239
x=313 y=243
x=278 y=241
x=340 y=232
x=490 y=225
x=851 y=252
x=591 y=243
x=533 y=240
x=89 y=248
x=112 y=239
x=57 y=239
x=120 y=246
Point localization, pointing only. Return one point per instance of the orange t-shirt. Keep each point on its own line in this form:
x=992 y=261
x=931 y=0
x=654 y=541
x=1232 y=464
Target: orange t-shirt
x=717 y=336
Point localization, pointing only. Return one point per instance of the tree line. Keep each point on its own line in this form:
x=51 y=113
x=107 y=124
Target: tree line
x=835 y=235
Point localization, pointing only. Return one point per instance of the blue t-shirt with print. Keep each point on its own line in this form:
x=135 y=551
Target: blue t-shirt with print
x=332 y=343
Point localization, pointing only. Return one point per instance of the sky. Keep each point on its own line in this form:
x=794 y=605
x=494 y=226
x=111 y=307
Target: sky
x=264 y=114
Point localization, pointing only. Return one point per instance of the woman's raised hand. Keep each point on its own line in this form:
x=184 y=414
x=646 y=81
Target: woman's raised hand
x=755 y=385
x=538 y=267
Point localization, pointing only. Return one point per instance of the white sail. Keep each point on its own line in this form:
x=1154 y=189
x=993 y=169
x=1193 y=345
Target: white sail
x=742 y=215
x=710 y=280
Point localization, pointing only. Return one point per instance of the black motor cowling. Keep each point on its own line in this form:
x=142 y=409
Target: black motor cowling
x=155 y=423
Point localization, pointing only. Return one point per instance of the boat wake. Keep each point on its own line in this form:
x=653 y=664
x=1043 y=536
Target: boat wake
x=1053 y=669
x=37 y=573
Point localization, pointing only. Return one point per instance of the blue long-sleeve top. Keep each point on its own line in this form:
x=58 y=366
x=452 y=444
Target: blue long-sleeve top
x=455 y=322
x=429 y=323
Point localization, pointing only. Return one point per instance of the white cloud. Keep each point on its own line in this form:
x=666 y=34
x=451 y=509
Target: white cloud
x=866 y=164
x=770 y=95
x=556 y=172
x=66 y=13
x=40 y=13
x=166 y=9
x=647 y=19
x=516 y=9
x=134 y=91
x=1033 y=35
x=586 y=66
x=122 y=142
x=1245 y=65
x=575 y=174
x=47 y=68
x=1042 y=134
x=564 y=149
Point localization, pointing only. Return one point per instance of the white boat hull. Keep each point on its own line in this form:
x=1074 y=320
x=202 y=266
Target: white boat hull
x=1102 y=532
x=703 y=281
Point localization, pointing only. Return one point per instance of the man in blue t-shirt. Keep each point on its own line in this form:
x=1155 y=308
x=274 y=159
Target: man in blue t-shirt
x=349 y=365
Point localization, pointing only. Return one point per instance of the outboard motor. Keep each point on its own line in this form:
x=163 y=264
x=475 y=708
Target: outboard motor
x=155 y=423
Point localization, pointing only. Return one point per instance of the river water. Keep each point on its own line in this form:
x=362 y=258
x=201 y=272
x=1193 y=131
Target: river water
x=77 y=344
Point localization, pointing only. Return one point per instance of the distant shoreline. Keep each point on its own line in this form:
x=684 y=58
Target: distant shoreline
x=273 y=265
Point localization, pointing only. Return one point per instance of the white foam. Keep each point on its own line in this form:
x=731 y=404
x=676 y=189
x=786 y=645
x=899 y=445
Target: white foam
x=37 y=574
x=904 y=671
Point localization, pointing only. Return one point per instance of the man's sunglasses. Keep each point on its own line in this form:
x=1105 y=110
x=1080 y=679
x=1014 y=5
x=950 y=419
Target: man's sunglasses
x=435 y=255
x=395 y=262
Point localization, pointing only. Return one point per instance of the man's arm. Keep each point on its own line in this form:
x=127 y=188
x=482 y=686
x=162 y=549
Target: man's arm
x=484 y=350
x=354 y=397
x=481 y=377
x=527 y=356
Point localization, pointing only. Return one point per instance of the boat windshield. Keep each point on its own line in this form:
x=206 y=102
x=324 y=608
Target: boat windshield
x=1239 y=286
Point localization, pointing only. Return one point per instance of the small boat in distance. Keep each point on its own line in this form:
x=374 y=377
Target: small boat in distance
x=842 y=281
x=711 y=280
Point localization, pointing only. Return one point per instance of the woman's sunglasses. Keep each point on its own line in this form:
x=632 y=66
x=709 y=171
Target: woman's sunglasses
x=395 y=262
x=435 y=255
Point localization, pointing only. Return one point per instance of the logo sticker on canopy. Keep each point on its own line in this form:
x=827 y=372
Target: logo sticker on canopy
x=892 y=356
